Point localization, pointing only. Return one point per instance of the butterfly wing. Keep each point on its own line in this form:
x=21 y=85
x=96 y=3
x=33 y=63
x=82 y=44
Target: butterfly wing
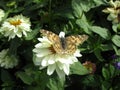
x=54 y=38
x=73 y=41
x=50 y=35
x=77 y=39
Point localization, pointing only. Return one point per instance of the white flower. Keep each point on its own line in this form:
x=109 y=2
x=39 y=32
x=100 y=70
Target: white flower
x=7 y=60
x=45 y=56
x=2 y=14
x=113 y=11
x=16 y=26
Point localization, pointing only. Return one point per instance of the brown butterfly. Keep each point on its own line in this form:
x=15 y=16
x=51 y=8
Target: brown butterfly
x=64 y=45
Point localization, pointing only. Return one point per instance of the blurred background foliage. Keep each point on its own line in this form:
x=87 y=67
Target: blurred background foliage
x=72 y=17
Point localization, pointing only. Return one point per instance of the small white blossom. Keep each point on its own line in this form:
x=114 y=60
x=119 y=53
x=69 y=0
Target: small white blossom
x=2 y=14
x=114 y=11
x=16 y=26
x=7 y=60
x=45 y=56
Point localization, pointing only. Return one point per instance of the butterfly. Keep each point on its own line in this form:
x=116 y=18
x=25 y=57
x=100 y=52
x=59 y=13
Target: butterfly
x=64 y=45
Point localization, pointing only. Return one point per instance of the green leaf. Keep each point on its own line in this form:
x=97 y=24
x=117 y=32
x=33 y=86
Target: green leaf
x=83 y=23
x=112 y=70
x=10 y=4
x=65 y=12
x=34 y=88
x=32 y=34
x=103 y=32
x=106 y=47
x=116 y=49
x=43 y=80
x=116 y=40
x=114 y=27
x=99 y=2
x=77 y=8
x=25 y=78
x=118 y=52
x=40 y=77
x=91 y=80
x=7 y=88
x=78 y=68
x=5 y=76
x=105 y=73
x=55 y=84
x=7 y=81
x=106 y=85
x=97 y=53
x=14 y=44
x=86 y=5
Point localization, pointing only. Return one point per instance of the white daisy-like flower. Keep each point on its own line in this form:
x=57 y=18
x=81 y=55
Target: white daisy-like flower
x=7 y=60
x=45 y=56
x=2 y=14
x=16 y=26
x=113 y=11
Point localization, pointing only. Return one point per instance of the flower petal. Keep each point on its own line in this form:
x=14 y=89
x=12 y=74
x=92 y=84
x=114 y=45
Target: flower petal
x=74 y=59
x=42 y=52
x=37 y=60
x=77 y=53
x=51 y=59
x=60 y=73
x=44 y=62
x=44 y=39
x=51 y=69
x=66 y=69
x=42 y=45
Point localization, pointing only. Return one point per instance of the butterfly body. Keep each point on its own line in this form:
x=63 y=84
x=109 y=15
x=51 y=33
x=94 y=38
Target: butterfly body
x=63 y=42
x=64 y=45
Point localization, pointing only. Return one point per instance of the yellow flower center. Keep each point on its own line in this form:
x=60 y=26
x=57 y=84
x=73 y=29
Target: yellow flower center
x=15 y=23
x=52 y=49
